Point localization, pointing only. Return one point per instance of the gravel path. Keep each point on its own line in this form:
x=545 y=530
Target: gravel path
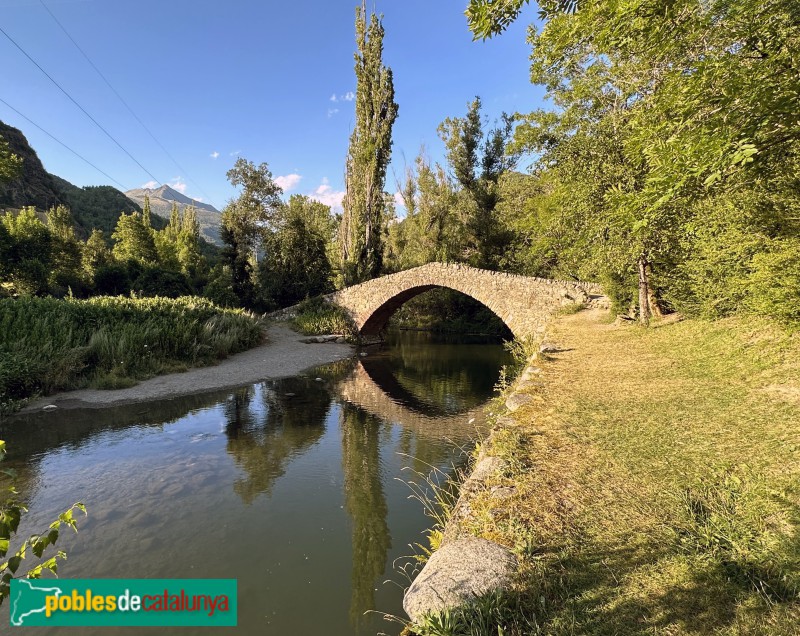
x=283 y=355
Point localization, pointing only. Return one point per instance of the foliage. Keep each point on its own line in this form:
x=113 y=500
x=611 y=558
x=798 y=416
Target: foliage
x=295 y=265
x=668 y=163
x=448 y=311
x=361 y=230
x=49 y=345
x=220 y=288
x=134 y=240
x=11 y=512
x=244 y=222
x=477 y=168
x=317 y=316
x=10 y=164
x=98 y=207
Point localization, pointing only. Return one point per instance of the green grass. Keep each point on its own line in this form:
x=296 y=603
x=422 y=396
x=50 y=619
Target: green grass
x=48 y=345
x=657 y=485
x=317 y=317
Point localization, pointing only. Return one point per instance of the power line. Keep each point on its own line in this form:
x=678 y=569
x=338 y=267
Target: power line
x=124 y=103
x=79 y=156
x=74 y=101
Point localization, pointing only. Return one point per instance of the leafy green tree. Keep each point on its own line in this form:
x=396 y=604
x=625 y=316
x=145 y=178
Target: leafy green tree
x=671 y=118
x=10 y=164
x=432 y=229
x=244 y=222
x=361 y=229
x=95 y=253
x=147 y=213
x=295 y=265
x=67 y=269
x=134 y=240
x=187 y=243
x=112 y=279
x=31 y=251
x=478 y=159
x=219 y=289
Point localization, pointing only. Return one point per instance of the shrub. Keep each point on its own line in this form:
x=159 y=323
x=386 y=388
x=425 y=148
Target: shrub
x=318 y=316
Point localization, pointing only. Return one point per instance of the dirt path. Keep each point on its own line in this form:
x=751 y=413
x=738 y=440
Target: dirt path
x=284 y=355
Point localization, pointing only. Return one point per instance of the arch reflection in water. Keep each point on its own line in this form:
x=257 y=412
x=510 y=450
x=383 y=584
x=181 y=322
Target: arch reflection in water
x=296 y=495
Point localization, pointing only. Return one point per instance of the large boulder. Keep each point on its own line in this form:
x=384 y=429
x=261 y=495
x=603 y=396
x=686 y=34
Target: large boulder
x=457 y=573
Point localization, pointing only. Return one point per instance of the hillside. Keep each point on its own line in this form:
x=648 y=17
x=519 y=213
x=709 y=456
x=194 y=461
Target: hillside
x=93 y=207
x=161 y=200
x=35 y=186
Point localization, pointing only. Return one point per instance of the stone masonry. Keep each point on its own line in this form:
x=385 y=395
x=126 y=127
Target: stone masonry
x=523 y=303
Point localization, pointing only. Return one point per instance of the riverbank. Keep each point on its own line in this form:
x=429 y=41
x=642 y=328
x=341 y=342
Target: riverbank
x=648 y=482
x=283 y=355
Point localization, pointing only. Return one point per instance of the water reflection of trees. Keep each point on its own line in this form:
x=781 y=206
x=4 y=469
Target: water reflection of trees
x=268 y=425
x=366 y=505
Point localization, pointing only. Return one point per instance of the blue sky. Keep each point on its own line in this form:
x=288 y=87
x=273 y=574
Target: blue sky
x=215 y=79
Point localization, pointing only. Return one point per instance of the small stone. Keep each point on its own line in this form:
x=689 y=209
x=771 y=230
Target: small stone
x=363 y=354
x=317 y=379
x=516 y=400
x=506 y=420
x=486 y=468
x=290 y=394
x=457 y=573
x=502 y=492
x=49 y=407
x=548 y=347
x=533 y=370
x=341 y=340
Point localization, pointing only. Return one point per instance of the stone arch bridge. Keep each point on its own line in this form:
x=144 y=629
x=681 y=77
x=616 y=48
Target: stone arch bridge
x=523 y=303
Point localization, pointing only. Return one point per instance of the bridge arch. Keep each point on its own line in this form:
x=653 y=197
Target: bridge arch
x=523 y=303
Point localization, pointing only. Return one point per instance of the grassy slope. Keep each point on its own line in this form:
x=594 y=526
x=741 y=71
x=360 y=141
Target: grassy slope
x=657 y=481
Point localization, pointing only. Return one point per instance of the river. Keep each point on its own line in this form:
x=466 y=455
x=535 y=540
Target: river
x=295 y=487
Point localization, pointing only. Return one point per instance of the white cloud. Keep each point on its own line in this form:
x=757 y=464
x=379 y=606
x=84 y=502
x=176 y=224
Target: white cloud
x=288 y=181
x=399 y=200
x=349 y=96
x=332 y=112
x=334 y=98
x=235 y=152
x=214 y=155
x=327 y=195
x=178 y=184
x=150 y=185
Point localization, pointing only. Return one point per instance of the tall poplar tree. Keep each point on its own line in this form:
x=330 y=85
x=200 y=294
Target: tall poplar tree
x=368 y=156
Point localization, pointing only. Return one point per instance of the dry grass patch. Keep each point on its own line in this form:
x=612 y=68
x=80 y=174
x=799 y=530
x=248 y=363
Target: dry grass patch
x=659 y=490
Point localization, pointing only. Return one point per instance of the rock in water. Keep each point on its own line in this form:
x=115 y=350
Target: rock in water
x=457 y=573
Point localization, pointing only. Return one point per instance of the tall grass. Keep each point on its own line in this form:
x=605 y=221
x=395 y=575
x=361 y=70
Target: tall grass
x=48 y=345
x=317 y=317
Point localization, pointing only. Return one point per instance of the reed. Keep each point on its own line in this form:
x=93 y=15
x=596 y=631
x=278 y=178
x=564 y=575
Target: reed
x=49 y=345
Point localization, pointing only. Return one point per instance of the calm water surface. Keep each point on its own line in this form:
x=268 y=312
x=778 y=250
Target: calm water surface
x=290 y=486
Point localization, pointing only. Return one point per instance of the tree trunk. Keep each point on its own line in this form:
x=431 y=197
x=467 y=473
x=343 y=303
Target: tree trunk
x=652 y=301
x=644 y=292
